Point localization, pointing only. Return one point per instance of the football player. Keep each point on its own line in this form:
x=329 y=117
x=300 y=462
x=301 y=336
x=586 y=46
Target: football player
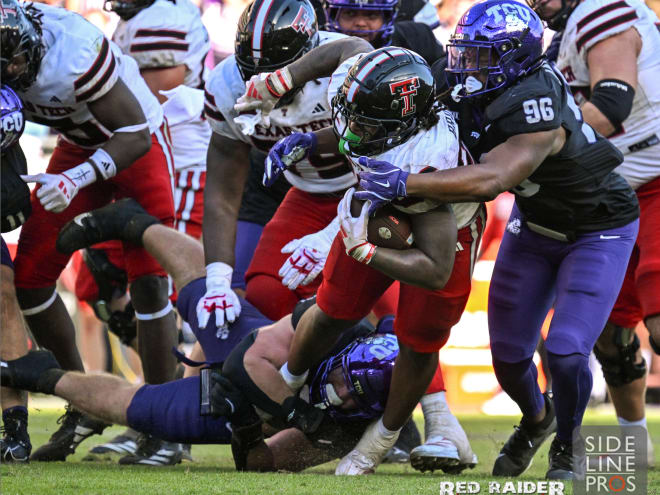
x=609 y=55
x=349 y=386
x=385 y=110
x=169 y=43
x=15 y=443
x=570 y=233
x=112 y=144
x=376 y=22
x=271 y=33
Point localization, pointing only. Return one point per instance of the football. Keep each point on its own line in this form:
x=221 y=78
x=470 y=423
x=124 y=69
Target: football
x=388 y=228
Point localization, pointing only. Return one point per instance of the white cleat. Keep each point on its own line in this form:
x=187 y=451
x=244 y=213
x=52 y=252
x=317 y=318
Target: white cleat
x=435 y=453
x=369 y=451
x=355 y=463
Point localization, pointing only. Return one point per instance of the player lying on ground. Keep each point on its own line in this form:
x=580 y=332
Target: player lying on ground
x=173 y=410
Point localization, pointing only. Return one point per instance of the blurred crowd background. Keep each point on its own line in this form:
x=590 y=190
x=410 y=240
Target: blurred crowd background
x=466 y=359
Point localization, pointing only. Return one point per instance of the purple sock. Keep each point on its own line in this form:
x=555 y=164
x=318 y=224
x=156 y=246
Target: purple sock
x=519 y=381
x=572 y=383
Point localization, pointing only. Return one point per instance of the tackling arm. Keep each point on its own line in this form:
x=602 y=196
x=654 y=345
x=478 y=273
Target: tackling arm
x=501 y=169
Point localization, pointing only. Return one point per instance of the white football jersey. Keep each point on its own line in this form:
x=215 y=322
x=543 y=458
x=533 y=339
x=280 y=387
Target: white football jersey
x=79 y=66
x=309 y=111
x=593 y=21
x=189 y=131
x=437 y=148
x=166 y=34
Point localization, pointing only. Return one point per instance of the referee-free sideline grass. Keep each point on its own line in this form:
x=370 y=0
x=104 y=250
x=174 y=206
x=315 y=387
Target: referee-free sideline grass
x=213 y=470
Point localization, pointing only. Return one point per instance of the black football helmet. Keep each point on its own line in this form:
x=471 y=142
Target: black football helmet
x=388 y=95
x=126 y=9
x=274 y=33
x=20 y=35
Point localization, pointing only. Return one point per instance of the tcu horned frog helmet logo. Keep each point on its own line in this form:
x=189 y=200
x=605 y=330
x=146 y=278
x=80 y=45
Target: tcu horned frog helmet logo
x=406 y=89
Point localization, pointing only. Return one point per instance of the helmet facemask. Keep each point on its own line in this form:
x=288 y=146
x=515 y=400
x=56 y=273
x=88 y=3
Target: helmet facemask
x=21 y=45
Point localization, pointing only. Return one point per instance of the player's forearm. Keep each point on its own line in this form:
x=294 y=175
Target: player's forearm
x=323 y=60
x=266 y=376
x=412 y=266
x=219 y=227
x=596 y=119
x=127 y=147
x=458 y=185
x=326 y=141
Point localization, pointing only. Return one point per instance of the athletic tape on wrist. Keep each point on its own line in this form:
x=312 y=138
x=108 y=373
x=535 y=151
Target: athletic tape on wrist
x=154 y=316
x=41 y=307
x=103 y=164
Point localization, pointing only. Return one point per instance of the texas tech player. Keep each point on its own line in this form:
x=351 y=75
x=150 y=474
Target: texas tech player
x=111 y=144
x=271 y=33
x=169 y=43
x=376 y=21
x=570 y=233
x=609 y=56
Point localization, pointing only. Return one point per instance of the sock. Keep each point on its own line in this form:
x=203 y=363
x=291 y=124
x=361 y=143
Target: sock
x=639 y=422
x=295 y=382
x=136 y=226
x=16 y=412
x=519 y=380
x=386 y=432
x=573 y=381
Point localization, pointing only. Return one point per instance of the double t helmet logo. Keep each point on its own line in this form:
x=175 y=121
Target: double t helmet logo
x=406 y=89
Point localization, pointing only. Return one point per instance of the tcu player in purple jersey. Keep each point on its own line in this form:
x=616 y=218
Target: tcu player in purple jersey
x=570 y=233
x=15 y=443
x=376 y=22
x=608 y=53
x=347 y=389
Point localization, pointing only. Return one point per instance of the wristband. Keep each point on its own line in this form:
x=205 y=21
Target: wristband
x=279 y=82
x=218 y=269
x=82 y=175
x=363 y=252
x=103 y=164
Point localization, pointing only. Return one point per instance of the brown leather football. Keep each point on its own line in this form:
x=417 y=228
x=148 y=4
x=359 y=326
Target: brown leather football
x=388 y=228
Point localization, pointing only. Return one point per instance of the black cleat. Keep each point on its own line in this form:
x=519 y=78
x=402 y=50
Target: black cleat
x=153 y=451
x=517 y=453
x=37 y=371
x=121 y=445
x=560 y=461
x=15 y=443
x=75 y=428
x=125 y=220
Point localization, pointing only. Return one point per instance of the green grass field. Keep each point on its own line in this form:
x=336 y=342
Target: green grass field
x=212 y=471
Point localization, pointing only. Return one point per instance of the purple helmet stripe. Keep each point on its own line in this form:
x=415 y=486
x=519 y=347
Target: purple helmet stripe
x=257 y=38
x=364 y=72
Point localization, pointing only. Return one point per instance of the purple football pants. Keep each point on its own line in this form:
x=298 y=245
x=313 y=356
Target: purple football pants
x=581 y=280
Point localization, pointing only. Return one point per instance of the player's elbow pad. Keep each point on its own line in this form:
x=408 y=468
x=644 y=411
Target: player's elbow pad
x=614 y=98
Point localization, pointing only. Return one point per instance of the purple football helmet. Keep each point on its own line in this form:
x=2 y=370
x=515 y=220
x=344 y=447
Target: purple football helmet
x=366 y=366
x=389 y=9
x=496 y=43
x=13 y=121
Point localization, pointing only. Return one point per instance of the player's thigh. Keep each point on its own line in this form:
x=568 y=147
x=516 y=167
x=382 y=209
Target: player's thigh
x=588 y=283
x=520 y=295
x=171 y=411
x=627 y=310
x=647 y=274
x=349 y=289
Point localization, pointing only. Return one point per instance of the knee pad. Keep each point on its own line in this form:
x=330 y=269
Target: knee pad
x=622 y=369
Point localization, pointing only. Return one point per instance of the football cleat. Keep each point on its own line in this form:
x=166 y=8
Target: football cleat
x=123 y=444
x=436 y=453
x=152 y=451
x=517 y=453
x=15 y=443
x=560 y=461
x=409 y=438
x=124 y=219
x=75 y=428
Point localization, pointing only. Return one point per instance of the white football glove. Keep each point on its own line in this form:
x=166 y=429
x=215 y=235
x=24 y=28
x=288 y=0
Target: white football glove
x=309 y=255
x=57 y=190
x=353 y=230
x=219 y=297
x=369 y=451
x=263 y=91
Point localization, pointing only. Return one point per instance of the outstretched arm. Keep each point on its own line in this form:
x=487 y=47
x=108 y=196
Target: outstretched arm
x=503 y=168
